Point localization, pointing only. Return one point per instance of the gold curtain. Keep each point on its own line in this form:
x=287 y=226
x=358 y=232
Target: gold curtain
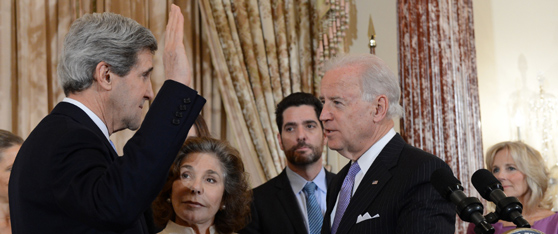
x=262 y=51
x=437 y=66
x=246 y=56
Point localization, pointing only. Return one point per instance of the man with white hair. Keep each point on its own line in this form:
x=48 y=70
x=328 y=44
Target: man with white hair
x=385 y=188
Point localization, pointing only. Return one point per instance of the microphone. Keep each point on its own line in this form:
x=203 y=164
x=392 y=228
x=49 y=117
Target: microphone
x=469 y=209
x=507 y=208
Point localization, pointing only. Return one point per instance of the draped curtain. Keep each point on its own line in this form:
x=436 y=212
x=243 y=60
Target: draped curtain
x=437 y=66
x=262 y=51
x=246 y=56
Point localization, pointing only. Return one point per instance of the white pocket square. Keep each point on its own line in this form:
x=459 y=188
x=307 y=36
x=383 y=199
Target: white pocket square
x=366 y=216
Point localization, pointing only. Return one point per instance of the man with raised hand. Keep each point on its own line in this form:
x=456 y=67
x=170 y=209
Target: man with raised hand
x=68 y=178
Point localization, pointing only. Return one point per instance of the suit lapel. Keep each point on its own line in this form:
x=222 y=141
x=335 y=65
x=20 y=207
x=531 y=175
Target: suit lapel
x=374 y=180
x=286 y=197
x=77 y=114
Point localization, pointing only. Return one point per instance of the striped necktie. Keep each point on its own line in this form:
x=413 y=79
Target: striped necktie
x=315 y=217
x=345 y=196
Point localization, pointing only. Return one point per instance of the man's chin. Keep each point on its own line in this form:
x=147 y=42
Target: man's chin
x=305 y=160
x=303 y=163
x=332 y=145
x=134 y=126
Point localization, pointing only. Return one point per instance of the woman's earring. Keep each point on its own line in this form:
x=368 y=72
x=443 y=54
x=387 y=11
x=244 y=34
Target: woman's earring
x=223 y=207
x=168 y=200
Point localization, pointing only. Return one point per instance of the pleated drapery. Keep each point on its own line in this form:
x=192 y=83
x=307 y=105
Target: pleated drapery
x=263 y=51
x=437 y=66
x=246 y=56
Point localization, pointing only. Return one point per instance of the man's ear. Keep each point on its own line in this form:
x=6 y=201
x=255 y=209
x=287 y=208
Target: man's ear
x=103 y=76
x=381 y=107
x=280 y=142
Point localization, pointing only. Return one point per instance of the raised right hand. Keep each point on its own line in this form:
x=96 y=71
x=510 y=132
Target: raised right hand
x=175 y=61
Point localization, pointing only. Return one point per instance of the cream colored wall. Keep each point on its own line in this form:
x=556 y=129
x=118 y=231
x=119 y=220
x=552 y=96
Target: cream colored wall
x=515 y=40
x=385 y=23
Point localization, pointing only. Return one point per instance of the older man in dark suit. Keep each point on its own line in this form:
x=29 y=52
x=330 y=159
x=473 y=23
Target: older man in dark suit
x=385 y=187
x=295 y=200
x=68 y=177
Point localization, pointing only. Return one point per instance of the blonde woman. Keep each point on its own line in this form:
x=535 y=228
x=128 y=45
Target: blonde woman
x=523 y=174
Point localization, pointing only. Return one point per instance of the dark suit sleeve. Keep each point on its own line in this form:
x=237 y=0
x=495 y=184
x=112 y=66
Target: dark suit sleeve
x=112 y=194
x=253 y=226
x=424 y=210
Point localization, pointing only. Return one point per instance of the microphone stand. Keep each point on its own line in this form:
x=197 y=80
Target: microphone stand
x=470 y=209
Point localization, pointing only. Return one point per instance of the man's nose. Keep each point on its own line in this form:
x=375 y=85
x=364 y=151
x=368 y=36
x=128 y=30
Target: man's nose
x=149 y=92
x=325 y=115
x=300 y=134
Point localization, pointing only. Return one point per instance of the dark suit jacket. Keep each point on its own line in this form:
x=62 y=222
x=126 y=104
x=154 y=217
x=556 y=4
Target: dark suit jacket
x=68 y=179
x=275 y=209
x=397 y=188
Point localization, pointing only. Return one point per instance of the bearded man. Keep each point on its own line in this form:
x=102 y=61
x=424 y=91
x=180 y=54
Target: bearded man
x=295 y=200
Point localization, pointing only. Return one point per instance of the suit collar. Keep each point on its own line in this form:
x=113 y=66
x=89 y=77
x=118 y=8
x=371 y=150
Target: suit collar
x=365 y=161
x=387 y=158
x=78 y=115
x=100 y=124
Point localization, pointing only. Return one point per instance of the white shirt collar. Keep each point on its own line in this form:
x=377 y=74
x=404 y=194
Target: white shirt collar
x=102 y=126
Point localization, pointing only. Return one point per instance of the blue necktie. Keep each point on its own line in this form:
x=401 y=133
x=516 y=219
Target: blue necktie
x=315 y=217
x=345 y=196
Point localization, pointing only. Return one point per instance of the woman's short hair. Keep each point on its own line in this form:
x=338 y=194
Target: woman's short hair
x=7 y=140
x=237 y=195
x=530 y=162
x=97 y=37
